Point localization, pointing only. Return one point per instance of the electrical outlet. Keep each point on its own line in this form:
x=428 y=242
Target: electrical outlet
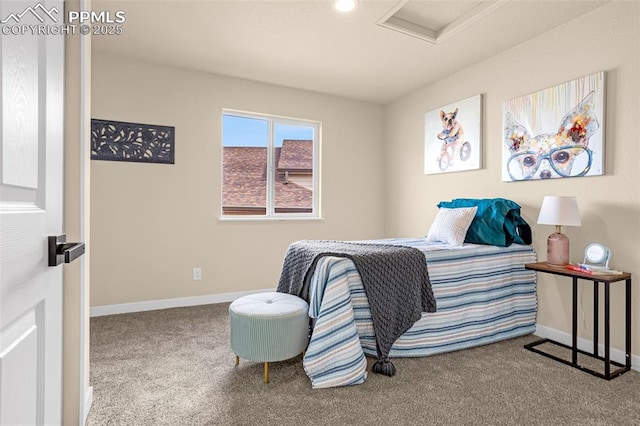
x=197 y=274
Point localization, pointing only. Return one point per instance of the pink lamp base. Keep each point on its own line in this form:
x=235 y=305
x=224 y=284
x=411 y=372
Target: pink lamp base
x=557 y=249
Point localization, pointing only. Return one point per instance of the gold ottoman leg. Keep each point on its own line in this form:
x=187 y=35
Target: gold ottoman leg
x=266 y=372
x=237 y=360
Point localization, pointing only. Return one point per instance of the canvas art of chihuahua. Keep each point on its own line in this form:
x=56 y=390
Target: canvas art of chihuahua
x=561 y=154
x=451 y=129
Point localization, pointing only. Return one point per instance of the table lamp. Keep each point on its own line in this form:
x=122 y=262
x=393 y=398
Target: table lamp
x=558 y=211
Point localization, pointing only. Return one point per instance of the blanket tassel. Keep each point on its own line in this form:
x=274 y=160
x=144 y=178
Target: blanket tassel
x=384 y=366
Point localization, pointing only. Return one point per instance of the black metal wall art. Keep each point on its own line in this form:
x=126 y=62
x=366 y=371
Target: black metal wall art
x=122 y=141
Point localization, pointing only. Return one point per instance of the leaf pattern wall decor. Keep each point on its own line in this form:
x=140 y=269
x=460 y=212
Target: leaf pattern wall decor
x=122 y=141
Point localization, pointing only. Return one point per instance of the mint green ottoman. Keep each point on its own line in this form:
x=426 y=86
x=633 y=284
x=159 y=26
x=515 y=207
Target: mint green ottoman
x=268 y=327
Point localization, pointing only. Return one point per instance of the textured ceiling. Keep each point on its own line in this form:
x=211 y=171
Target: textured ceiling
x=306 y=44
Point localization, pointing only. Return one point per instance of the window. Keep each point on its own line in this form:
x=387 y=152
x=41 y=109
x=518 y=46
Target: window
x=269 y=166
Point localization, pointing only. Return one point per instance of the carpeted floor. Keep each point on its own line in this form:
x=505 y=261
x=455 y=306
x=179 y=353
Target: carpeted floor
x=175 y=367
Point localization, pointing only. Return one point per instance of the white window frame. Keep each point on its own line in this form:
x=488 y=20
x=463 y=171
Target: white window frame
x=270 y=208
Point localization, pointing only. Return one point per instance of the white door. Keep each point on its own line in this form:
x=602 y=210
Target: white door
x=31 y=132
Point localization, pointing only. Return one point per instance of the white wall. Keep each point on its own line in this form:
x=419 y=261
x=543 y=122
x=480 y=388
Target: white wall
x=605 y=39
x=152 y=223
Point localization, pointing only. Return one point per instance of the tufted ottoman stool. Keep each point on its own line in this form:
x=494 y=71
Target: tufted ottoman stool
x=268 y=327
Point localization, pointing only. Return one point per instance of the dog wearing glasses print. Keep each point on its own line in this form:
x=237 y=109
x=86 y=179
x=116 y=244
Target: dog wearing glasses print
x=563 y=154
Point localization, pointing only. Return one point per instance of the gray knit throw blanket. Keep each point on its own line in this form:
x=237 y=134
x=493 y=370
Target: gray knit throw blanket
x=395 y=279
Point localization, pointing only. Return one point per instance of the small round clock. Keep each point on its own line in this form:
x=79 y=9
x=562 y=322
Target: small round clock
x=597 y=256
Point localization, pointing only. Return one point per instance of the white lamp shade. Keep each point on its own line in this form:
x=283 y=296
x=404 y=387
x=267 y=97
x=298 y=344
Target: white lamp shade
x=559 y=211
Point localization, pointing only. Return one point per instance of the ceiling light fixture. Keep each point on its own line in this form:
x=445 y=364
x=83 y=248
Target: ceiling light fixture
x=345 y=5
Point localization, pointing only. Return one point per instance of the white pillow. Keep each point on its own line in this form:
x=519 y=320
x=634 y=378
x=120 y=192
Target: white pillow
x=450 y=225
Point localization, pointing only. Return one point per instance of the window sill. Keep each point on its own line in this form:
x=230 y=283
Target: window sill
x=269 y=219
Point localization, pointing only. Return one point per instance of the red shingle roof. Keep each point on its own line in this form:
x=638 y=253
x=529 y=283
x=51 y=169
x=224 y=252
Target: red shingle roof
x=297 y=156
x=244 y=177
x=244 y=184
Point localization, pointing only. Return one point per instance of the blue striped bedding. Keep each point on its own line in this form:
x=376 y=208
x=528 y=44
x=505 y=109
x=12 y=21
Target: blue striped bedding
x=483 y=295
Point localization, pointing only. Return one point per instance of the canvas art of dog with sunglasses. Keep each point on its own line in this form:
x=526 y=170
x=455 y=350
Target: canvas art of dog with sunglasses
x=565 y=153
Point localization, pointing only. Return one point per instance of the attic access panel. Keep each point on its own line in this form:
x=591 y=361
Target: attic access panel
x=434 y=21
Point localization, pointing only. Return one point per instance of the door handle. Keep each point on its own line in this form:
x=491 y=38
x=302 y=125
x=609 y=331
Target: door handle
x=62 y=251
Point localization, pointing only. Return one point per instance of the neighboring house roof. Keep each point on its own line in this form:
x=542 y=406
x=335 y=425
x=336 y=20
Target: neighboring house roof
x=296 y=156
x=243 y=170
x=244 y=184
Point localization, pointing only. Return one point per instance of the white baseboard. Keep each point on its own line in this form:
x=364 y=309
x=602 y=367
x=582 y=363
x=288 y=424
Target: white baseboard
x=585 y=345
x=88 y=401
x=151 y=305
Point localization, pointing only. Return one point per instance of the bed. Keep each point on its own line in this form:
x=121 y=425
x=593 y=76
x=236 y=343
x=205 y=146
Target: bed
x=483 y=295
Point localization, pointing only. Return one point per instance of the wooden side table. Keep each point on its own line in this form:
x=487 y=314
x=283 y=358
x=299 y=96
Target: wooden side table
x=596 y=279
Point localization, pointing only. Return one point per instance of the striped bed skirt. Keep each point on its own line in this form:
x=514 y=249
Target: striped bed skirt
x=483 y=295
